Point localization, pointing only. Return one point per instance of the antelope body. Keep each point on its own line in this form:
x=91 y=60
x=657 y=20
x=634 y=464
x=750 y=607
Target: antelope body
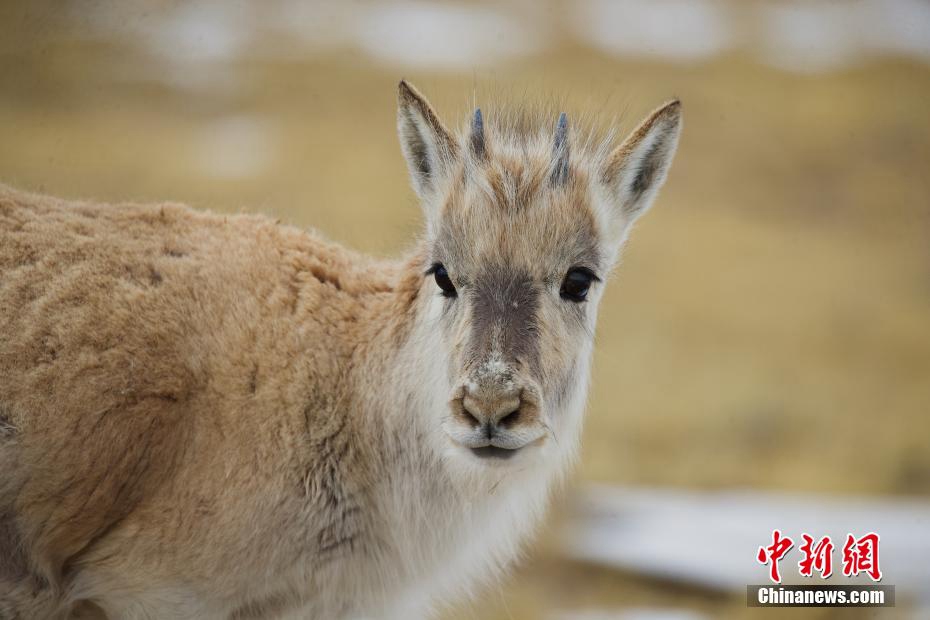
x=223 y=417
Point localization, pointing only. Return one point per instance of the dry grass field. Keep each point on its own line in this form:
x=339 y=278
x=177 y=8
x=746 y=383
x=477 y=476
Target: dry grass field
x=769 y=326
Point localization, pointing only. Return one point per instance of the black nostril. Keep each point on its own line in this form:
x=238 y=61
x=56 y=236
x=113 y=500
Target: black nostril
x=510 y=419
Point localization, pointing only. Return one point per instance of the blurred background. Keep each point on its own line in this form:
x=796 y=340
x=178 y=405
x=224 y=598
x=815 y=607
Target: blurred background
x=763 y=353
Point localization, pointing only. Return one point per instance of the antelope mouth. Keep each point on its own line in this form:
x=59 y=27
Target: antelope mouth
x=493 y=453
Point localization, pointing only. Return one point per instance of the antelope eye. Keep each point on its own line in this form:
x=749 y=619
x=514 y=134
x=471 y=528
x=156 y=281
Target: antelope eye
x=576 y=284
x=443 y=280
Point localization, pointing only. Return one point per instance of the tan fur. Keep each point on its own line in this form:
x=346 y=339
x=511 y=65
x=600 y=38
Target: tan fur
x=223 y=417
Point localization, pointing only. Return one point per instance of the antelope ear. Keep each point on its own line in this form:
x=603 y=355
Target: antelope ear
x=637 y=168
x=427 y=145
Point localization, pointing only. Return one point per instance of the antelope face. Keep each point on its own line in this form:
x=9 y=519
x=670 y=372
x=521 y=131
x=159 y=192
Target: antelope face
x=522 y=230
x=517 y=290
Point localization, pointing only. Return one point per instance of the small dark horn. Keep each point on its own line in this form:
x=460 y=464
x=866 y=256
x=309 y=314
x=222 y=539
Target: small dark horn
x=560 y=152
x=477 y=135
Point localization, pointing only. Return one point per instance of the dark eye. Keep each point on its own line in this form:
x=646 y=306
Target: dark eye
x=443 y=280
x=576 y=284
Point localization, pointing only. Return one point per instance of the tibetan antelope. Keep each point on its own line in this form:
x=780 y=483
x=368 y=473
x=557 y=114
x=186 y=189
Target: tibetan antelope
x=207 y=416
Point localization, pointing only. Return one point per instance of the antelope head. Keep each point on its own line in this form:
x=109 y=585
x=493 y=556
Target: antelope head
x=524 y=221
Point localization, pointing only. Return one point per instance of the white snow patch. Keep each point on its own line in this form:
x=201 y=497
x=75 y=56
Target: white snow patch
x=814 y=37
x=673 y=29
x=443 y=36
x=711 y=538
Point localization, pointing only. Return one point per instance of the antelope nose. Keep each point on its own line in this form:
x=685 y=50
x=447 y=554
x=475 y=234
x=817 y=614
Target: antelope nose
x=495 y=421
x=491 y=411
